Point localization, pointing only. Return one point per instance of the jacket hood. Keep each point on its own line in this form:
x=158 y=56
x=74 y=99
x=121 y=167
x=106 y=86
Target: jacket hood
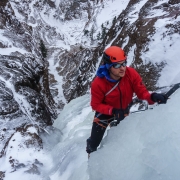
x=103 y=71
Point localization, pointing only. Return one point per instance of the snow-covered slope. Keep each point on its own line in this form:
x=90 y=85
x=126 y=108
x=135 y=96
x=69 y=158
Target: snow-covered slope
x=49 y=53
x=143 y=146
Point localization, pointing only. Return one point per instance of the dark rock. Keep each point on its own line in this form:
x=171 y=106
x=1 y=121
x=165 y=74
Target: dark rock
x=3 y=2
x=2 y=175
x=172 y=2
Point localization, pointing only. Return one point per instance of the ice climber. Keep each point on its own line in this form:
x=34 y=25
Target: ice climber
x=112 y=91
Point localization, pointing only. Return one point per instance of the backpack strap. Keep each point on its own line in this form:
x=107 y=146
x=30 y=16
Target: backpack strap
x=112 y=88
x=108 y=93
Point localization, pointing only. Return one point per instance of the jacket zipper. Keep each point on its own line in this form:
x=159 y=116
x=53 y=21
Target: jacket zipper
x=120 y=97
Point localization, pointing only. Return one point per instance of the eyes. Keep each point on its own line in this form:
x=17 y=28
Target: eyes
x=117 y=65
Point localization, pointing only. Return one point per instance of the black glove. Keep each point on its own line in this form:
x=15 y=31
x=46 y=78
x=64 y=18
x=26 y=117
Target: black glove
x=118 y=114
x=159 y=98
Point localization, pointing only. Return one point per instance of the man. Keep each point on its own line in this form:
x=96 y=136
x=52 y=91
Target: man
x=112 y=91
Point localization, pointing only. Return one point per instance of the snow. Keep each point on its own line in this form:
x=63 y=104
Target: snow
x=8 y=51
x=73 y=30
x=111 y=9
x=58 y=78
x=165 y=48
x=18 y=149
x=157 y=12
x=131 y=55
x=144 y=146
x=9 y=46
x=134 y=14
x=17 y=14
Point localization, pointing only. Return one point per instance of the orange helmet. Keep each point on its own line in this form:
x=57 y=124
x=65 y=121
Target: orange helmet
x=114 y=54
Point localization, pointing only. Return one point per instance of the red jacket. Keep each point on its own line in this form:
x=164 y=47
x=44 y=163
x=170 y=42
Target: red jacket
x=121 y=96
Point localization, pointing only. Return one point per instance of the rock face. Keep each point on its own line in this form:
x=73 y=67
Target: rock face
x=80 y=70
x=136 y=33
x=133 y=30
x=21 y=90
x=27 y=106
x=37 y=53
x=24 y=103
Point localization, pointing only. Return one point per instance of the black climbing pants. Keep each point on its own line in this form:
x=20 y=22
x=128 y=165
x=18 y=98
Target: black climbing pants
x=98 y=128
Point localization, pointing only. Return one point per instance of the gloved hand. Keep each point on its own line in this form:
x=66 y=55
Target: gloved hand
x=118 y=114
x=159 y=98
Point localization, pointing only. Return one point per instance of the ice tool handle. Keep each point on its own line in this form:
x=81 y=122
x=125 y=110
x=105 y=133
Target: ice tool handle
x=172 y=90
x=134 y=101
